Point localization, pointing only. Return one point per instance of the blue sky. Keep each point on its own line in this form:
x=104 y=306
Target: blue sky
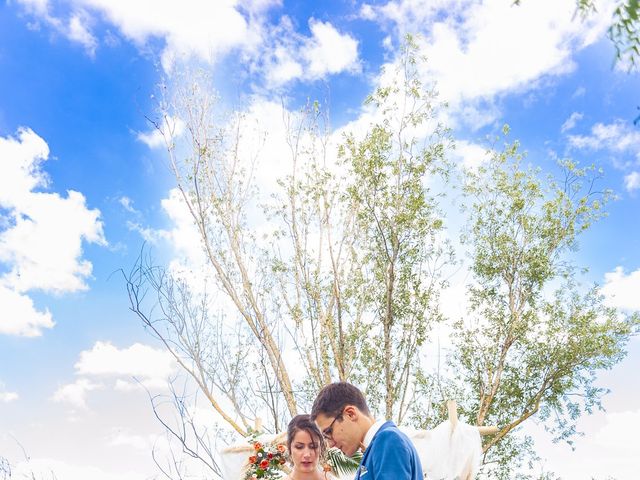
x=77 y=78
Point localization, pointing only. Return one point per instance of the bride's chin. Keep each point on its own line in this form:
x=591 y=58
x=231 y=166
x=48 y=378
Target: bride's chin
x=306 y=468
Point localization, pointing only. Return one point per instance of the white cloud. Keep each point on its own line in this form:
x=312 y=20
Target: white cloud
x=5 y=395
x=44 y=246
x=580 y=92
x=283 y=67
x=78 y=32
x=127 y=204
x=20 y=317
x=470 y=154
x=169 y=128
x=200 y=28
x=616 y=136
x=22 y=158
x=210 y=31
x=617 y=433
x=151 y=366
x=292 y=56
x=621 y=290
x=124 y=438
x=76 y=393
x=480 y=50
x=41 y=235
x=632 y=181
x=329 y=51
x=74 y=28
x=184 y=236
x=574 y=118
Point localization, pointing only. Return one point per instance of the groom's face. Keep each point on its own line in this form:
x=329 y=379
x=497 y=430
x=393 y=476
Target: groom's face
x=341 y=431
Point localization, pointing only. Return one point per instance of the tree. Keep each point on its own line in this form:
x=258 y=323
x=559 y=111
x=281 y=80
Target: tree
x=534 y=339
x=323 y=280
x=346 y=272
x=399 y=226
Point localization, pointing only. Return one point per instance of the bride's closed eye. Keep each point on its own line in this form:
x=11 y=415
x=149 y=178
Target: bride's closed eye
x=299 y=446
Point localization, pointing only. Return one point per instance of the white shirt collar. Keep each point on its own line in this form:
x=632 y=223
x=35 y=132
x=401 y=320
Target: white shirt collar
x=373 y=429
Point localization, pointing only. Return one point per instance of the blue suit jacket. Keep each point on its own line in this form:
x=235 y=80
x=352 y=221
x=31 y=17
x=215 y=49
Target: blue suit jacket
x=390 y=456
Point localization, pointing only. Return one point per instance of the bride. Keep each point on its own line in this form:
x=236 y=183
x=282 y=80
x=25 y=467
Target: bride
x=306 y=447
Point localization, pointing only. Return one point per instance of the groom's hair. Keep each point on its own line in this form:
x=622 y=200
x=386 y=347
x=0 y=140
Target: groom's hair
x=334 y=397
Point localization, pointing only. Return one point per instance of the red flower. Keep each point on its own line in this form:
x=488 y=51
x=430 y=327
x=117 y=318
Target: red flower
x=252 y=459
x=257 y=446
x=269 y=455
x=264 y=464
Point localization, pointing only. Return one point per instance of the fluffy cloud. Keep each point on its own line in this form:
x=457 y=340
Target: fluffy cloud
x=5 y=395
x=193 y=27
x=616 y=136
x=574 y=118
x=293 y=56
x=75 y=393
x=124 y=438
x=41 y=235
x=169 y=128
x=78 y=31
x=76 y=27
x=151 y=366
x=329 y=51
x=105 y=366
x=209 y=31
x=470 y=154
x=20 y=317
x=632 y=181
x=479 y=50
x=621 y=290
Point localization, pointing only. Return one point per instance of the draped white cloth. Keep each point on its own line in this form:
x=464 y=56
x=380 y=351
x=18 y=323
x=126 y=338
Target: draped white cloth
x=449 y=451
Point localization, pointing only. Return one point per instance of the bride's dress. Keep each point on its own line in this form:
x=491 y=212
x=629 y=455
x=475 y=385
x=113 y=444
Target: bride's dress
x=452 y=450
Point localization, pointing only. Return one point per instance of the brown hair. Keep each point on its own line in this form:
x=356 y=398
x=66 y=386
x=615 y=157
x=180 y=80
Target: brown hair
x=304 y=423
x=334 y=397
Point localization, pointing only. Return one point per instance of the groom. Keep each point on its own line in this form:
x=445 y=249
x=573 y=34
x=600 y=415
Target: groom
x=341 y=413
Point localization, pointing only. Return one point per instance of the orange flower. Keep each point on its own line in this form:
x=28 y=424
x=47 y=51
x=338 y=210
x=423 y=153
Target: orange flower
x=252 y=459
x=264 y=464
x=326 y=467
x=257 y=446
x=281 y=448
x=282 y=461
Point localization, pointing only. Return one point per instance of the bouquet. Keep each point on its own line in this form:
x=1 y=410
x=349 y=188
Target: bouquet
x=266 y=461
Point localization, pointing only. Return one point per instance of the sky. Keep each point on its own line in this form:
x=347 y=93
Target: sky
x=84 y=181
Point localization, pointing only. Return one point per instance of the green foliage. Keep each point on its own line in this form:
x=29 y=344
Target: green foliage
x=398 y=225
x=624 y=32
x=534 y=338
x=341 y=465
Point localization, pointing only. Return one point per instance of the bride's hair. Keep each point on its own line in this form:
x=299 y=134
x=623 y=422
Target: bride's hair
x=304 y=423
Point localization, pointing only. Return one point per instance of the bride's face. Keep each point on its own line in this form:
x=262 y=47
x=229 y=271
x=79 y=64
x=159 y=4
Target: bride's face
x=304 y=452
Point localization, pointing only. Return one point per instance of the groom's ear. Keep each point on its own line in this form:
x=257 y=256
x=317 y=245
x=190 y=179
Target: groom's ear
x=352 y=412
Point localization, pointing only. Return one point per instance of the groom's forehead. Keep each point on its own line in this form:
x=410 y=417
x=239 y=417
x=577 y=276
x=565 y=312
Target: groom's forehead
x=322 y=420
